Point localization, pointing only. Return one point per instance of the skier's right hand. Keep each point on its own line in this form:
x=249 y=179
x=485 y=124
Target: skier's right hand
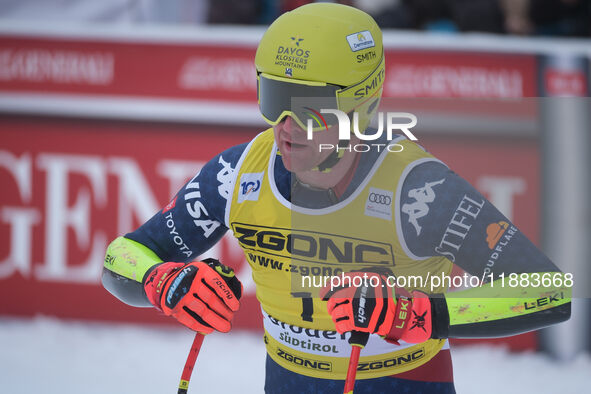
x=200 y=295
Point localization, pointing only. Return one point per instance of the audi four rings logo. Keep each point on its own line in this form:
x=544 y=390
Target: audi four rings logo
x=380 y=198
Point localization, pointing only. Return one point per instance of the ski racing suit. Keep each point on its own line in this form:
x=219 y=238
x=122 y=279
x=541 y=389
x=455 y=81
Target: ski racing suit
x=405 y=211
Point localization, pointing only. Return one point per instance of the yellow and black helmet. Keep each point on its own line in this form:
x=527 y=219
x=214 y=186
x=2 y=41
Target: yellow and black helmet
x=320 y=50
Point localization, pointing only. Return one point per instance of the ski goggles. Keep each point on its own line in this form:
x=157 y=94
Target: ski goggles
x=302 y=100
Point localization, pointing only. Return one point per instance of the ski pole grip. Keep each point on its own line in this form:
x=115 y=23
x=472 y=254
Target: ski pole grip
x=358 y=338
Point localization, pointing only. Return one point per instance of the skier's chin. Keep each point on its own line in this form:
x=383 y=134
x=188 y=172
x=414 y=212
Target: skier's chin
x=302 y=162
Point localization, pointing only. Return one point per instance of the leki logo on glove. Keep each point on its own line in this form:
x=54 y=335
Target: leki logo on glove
x=404 y=303
x=347 y=127
x=160 y=282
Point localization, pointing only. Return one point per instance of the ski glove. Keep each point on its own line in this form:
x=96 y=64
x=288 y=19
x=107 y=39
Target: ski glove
x=200 y=295
x=376 y=308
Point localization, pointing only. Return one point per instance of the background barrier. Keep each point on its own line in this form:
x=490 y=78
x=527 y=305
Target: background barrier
x=99 y=129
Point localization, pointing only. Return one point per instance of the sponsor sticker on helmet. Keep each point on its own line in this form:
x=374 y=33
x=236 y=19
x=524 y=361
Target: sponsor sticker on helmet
x=360 y=40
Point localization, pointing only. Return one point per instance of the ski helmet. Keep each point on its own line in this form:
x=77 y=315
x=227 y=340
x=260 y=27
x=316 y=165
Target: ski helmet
x=322 y=50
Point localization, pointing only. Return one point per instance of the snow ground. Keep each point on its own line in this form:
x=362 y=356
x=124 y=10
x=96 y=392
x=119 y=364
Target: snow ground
x=49 y=356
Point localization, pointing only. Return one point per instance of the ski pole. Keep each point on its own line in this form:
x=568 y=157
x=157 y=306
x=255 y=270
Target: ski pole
x=357 y=340
x=190 y=363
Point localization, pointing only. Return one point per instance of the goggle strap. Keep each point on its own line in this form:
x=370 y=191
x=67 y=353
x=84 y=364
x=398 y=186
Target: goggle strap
x=334 y=157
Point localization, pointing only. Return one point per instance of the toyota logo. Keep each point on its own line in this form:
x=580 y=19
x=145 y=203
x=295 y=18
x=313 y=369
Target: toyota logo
x=380 y=198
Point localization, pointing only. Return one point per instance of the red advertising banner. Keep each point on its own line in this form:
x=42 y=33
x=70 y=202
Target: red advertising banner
x=69 y=187
x=140 y=69
x=436 y=73
x=223 y=72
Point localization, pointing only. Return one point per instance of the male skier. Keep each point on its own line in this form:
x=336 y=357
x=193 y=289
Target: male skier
x=298 y=210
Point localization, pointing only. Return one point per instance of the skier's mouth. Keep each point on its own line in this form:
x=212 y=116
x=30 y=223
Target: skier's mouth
x=293 y=145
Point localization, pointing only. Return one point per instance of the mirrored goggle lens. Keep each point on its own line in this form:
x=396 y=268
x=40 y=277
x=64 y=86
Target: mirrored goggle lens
x=278 y=98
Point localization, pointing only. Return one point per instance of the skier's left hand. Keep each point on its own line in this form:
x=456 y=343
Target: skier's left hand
x=374 y=307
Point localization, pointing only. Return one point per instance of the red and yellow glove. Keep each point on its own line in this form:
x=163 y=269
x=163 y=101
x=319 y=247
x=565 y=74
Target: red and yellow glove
x=200 y=295
x=373 y=308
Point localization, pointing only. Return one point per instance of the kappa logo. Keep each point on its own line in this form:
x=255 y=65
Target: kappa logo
x=224 y=177
x=360 y=40
x=418 y=209
x=250 y=186
x=379 y=203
